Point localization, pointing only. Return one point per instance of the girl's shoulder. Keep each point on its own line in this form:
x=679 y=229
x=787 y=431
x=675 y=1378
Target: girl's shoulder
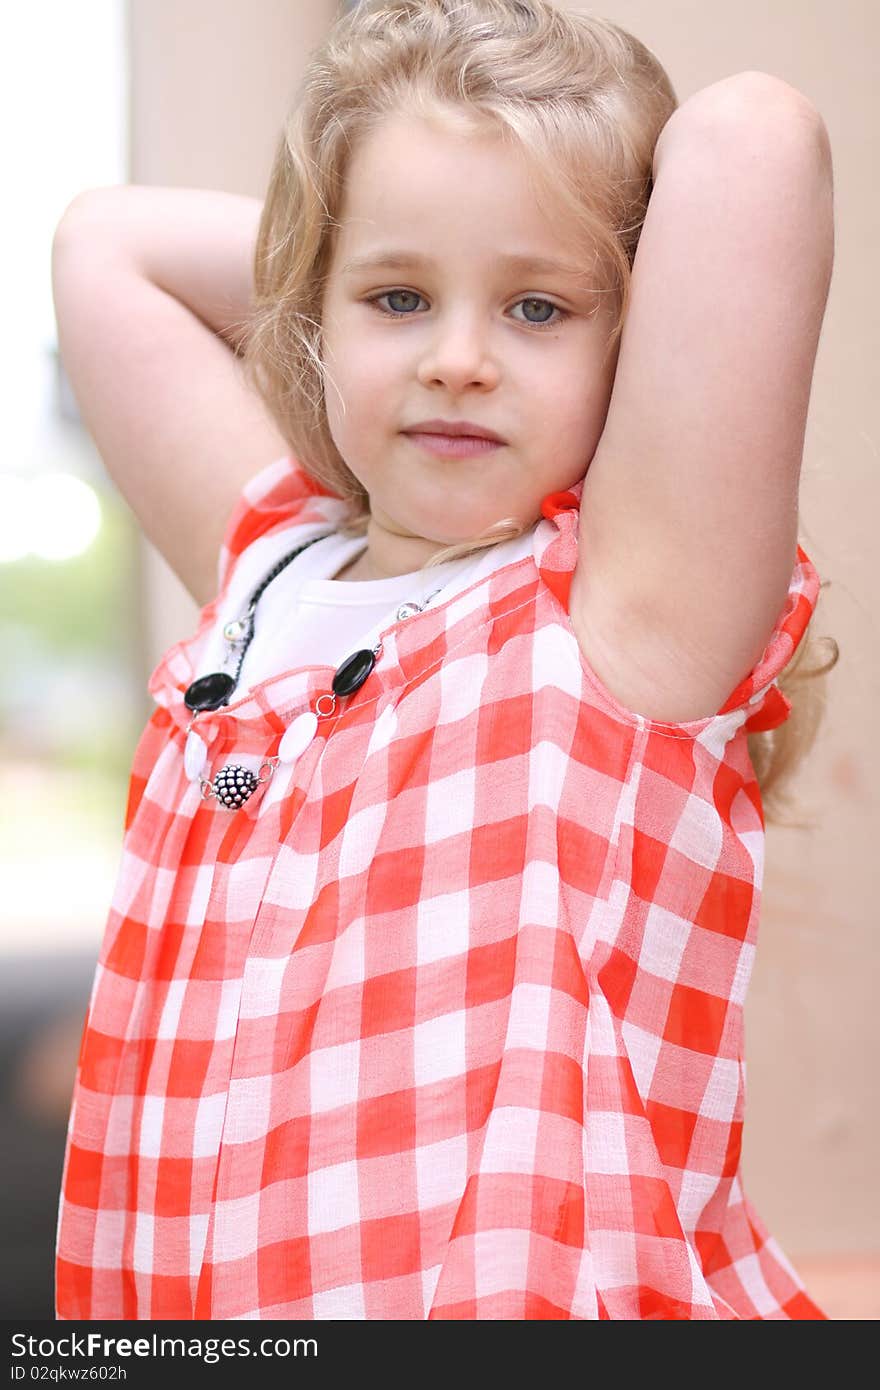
x=280 y=496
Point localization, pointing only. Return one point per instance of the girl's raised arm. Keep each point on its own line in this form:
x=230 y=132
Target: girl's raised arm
x=152 y=289
x=689 y=514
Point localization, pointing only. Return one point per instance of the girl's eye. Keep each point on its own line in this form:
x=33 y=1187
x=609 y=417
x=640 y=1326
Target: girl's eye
x=396 y=294
x=543 y=308
x=539 y=306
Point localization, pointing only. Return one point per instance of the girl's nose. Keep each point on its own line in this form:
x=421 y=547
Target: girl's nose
x=459 y=354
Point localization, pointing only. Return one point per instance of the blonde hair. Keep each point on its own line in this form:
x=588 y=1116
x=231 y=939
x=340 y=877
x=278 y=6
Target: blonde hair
x=581 y=98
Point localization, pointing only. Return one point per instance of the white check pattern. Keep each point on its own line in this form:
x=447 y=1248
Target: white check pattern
x=451 y=1025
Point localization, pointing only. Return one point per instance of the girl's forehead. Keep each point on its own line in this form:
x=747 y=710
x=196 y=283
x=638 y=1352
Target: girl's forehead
x=401 y=146
x=409 y=176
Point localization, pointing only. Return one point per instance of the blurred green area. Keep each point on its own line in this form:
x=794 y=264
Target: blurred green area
x=72 y=705
x=72 y=694
x=81 y=604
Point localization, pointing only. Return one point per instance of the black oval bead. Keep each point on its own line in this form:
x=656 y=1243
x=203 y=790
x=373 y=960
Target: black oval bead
x=351 y=675
x=209 y=692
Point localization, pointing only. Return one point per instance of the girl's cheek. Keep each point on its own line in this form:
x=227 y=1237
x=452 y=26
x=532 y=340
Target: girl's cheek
x=376 y=362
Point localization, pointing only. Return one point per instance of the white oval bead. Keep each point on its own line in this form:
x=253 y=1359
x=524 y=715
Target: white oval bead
x=195 y=756
x=297 y=737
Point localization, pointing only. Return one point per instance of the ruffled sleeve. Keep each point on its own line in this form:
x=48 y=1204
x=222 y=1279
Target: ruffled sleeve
x=758 y=690
x=280 y=495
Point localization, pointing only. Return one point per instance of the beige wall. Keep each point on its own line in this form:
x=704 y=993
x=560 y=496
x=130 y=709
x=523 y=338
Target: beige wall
x=211 y=82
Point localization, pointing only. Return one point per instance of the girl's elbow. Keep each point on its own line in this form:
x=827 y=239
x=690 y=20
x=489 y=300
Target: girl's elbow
x=755 y=96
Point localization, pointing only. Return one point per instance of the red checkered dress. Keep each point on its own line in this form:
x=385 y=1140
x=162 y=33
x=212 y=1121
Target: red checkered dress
x=454 y=1028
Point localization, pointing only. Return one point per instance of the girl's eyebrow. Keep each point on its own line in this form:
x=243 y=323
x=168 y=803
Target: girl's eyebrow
x=389 y=259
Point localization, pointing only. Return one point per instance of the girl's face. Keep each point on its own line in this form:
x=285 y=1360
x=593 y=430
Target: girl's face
x=458 y=316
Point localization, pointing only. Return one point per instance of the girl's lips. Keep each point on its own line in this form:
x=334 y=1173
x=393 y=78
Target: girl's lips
x=453 y=445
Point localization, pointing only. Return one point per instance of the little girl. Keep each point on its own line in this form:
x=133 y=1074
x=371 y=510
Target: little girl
x=422 y=990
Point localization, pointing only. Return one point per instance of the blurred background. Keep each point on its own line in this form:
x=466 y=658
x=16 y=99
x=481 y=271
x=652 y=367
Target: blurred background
x=193 y=93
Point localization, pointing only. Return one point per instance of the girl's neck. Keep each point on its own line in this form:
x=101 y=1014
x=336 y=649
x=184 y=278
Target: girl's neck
x=388 y=554
x=355 y=570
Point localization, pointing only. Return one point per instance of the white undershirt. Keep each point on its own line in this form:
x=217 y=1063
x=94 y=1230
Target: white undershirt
x=304 y=618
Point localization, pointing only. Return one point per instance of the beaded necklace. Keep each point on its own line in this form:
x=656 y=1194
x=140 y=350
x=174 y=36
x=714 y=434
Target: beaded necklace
x=234 y=784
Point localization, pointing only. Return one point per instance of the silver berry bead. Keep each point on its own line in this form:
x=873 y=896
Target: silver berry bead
x=233 y=785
